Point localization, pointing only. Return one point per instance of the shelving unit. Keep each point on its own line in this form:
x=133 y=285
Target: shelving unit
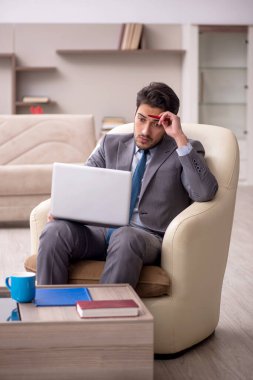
x=81 y=69
x=87 y=58
x=223 y=78
x=223 y=81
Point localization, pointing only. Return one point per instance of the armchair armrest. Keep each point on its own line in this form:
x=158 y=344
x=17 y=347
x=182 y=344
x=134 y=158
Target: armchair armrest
x=196 y=244
x=38 y=219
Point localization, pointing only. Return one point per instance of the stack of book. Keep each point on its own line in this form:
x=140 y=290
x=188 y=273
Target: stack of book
x=35 y=99
x=110 y=122
x=131 y=36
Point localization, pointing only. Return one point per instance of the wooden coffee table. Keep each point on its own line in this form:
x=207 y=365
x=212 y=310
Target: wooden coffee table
x=54 y=343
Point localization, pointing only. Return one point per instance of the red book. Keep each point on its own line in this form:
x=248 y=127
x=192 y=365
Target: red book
x=107 y=308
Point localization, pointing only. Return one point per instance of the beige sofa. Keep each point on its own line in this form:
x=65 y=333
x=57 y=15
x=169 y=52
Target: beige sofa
x=29 y=144
x=194 y=252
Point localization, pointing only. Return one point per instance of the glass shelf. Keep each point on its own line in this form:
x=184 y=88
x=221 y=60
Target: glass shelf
x=231 y=116
x=223 y=68
x=226 y=49
x=223 y=86
x=222 y=104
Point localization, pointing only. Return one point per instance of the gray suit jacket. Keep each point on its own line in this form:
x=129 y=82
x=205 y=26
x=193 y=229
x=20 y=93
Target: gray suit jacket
x=170 y=182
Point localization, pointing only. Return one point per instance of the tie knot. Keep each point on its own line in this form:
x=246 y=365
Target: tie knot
x=144 y=152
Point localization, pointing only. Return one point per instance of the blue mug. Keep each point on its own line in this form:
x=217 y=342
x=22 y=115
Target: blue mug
x=21 y=286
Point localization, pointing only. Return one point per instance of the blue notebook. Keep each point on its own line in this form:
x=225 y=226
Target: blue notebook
x=61 y=296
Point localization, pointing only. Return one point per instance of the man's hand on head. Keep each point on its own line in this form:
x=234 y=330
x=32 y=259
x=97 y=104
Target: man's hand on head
x=172 y=126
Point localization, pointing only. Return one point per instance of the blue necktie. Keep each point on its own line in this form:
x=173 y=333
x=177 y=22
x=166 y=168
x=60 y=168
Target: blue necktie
x=136 y=180
x=136 y=187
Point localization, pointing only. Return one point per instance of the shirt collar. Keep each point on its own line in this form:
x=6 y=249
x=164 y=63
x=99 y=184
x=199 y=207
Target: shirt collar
x=151 y=151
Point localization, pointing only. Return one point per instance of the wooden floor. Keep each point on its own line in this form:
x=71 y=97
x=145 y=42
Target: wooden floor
x=228 y=354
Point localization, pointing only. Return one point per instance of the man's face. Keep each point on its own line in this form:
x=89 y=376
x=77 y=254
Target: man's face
x=147 y=131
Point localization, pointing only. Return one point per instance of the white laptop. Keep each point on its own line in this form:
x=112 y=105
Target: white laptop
x=94 y=196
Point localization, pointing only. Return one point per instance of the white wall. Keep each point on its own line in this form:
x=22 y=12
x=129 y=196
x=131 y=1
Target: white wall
x=157 y=11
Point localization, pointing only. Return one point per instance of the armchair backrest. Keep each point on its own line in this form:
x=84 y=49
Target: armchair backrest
x=221 y=147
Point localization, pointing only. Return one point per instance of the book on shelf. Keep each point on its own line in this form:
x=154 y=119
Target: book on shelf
x=35 y=99
x=61 y=296
x=107 y=308
x=137 y=34
x=126 y=36
x=110 y=122
x=131 y=36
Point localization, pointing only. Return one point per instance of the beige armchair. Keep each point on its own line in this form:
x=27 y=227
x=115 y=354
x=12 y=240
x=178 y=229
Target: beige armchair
x=194 y=251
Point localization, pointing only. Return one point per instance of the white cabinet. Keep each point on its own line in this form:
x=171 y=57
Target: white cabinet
x=223 y=83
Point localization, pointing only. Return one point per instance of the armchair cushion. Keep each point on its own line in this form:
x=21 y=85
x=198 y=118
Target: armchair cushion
x=153 y=282
x=23 y=179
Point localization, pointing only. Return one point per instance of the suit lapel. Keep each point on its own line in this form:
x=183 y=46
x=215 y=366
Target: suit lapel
x=125 y=154
x=162 y=153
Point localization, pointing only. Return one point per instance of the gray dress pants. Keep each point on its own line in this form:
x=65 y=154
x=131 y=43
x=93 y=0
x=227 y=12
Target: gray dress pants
x=63 y=242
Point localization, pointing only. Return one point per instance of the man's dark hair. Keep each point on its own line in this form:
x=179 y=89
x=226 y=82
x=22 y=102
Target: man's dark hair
x=158 y=95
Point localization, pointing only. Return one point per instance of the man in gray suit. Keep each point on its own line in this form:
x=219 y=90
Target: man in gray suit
x=175 y=175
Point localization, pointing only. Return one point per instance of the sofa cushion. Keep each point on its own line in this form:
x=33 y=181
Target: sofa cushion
x=44 y=139
x=25 y=179
x=154 y=281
